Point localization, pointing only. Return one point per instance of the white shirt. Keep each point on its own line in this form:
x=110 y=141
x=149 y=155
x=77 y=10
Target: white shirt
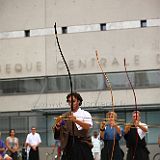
x=96 y=144
x=84 y=116
x=33 y=139
x=141 y=133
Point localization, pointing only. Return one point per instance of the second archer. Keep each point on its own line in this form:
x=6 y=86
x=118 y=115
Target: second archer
x=111 y=133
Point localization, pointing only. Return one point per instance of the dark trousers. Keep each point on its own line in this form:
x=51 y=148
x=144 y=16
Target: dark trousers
x=77 y=150
x=137 y=153
x=34 y=154
x=111 y=148
x=14 y=156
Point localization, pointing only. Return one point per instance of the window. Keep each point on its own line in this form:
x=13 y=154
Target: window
x=64 y=30
x=80 y=82
x=103 y=26
x=89 y=82
x=143 y=23
x=27 y=33
x=119 y=80
x=4 y=123
x=19 y=123
x=39 y=122
x=58 y=84
x=153 y=122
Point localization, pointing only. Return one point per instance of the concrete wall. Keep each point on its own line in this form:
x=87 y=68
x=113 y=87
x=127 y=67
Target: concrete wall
x=102 y=99
x=23 y=57
x=39 y=56
x=140 y=47
x=22 y=15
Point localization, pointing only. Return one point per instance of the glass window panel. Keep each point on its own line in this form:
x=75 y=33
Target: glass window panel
x=97 y=118
x=153 y=79
x=1 y=89
x=51 y=122
x=121 y=115
x=9 y=86
x=19 y=123
x=152 y=136
x=52 y=84
x=128 y=117
x=4 y=136
x=43 y=138
x=153 y=119
x=58 y=84
x=147 y=79
x=89 y=82
x=21 y=137
x=121 y=118
x=50 y=139
x=4 y=123
x=31 y=85
x=119 y=80
x=141 y=79
x=38 y=122
x=81 y=82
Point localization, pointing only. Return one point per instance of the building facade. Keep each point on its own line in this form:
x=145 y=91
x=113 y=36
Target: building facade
x=33 y=78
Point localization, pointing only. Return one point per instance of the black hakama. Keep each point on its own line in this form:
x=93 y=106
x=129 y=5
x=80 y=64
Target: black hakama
x=34 y=154
x=111 y=150
x=76 y=149
x=137 y=149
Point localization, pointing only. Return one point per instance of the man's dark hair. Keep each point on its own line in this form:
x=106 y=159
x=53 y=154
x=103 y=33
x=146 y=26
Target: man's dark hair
x=77 y=96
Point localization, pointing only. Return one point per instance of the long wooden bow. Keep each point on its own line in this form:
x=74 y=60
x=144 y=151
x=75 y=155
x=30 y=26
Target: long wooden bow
x=112 y=97
x=69 y=75
x=106 y=77
x=135 y=98
x=136 y=108
x=66 y=65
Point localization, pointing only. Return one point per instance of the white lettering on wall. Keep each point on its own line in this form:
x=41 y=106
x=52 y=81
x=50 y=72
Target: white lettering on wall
x=29 y=67
x=18 y=68
x=136 y=59
x=21 y=68
x=91 y=62
x=8 y=68
x=158 y=58
x=38 y=66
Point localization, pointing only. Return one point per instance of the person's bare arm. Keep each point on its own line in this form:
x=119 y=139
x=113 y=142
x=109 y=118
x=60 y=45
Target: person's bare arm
x=8 y=146
x=118 y=129
x=141 y=126
x=102 y=129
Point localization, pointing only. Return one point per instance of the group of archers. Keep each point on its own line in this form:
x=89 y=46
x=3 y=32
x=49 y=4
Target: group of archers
x=72 y=129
